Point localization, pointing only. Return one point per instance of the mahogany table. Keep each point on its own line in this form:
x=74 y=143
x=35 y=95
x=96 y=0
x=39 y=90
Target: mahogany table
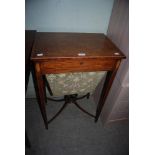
x=74 y=52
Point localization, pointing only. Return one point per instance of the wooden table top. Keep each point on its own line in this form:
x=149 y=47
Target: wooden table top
x=54 y=45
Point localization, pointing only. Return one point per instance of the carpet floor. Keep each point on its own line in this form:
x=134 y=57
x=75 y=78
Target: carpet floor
x=73 y=132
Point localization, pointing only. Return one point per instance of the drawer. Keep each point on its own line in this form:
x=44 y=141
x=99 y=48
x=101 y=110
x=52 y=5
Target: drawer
x=75 y=65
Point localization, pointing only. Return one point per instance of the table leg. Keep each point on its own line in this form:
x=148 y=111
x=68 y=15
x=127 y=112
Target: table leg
x=41 y=93
x=106 y=88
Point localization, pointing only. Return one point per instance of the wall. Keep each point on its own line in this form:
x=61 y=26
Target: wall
x=117 y=103
x=68 y=15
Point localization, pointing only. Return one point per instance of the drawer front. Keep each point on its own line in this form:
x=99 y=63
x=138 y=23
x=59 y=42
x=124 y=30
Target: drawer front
x=63 y=66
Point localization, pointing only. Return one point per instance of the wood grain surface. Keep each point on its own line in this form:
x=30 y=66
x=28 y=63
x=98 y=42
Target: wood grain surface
x=69 y=45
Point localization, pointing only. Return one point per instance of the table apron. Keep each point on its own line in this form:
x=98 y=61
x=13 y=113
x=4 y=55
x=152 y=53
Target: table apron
x=64 y=66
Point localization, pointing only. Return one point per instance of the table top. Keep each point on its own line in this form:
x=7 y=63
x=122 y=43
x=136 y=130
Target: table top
x=55 y=45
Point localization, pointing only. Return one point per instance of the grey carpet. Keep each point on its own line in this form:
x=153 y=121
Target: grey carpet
x=73 y=132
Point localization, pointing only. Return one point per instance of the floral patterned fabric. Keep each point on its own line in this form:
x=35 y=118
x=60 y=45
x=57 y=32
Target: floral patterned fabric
x=79 y=83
